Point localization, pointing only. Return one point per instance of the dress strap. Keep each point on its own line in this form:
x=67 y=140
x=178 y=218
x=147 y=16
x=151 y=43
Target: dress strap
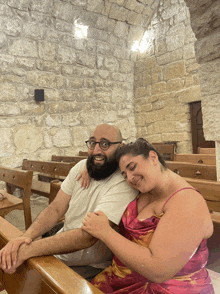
x=191 y=188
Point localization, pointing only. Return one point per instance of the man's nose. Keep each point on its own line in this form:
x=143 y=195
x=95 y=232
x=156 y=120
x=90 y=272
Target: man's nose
x=97 y=148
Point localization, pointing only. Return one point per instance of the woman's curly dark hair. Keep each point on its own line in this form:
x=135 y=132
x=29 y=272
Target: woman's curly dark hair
x=139 y=147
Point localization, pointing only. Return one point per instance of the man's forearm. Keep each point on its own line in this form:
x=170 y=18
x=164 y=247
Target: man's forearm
x=65 y=242
x=45 y=221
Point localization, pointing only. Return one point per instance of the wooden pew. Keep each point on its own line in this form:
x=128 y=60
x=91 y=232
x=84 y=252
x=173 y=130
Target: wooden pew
x=206 y=150
x=46 y=169
x=196 y=158
x=83 y=153
x=190 y=170
x=60 y=158
x=210 y=190
x=41 y=275
x=22 y=180
x=165 y=150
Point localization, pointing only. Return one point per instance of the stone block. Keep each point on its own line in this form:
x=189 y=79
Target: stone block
x=175 y=85
x=159 y=88
x=62 y=138
x=140 y=92
x=3 y=40
x=65 y=11
x=134 y=18
x=32 y=109
x=23 y=47
x=175 y=41
x=95 y=6
x=50 y=66
x=131 y=4
x=6 y=144
x=86 y=60
x=189 y=94
x=45 y=6
x=97 y=34
x=43 y=80
x=19 y=4
x=174 y=70
x=118 y=13
x=8 y=92
x=143 y=108
x=105 y=23
x=66 y=55
x=104 y=48
x=121 y=29
x=26 y=63
x=28 y=139
x=35 y=31
x=70 y=119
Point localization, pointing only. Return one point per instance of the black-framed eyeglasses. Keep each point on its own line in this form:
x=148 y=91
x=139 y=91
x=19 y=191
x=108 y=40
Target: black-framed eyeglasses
x=103 y=144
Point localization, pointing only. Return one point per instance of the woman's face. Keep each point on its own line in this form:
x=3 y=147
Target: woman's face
x=139 y=172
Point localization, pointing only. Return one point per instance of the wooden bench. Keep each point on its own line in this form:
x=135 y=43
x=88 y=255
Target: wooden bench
x=60 y=158
x=165 y=150
x=190 y=170
x=196 y=158
x=41 y=275
x=23 y=180
x=210 y=190
x=206 y=150
x=47 y=169
x=83 y=153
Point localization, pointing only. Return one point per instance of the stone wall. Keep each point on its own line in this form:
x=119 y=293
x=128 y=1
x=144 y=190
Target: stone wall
x=166 y=78
x=86 y=81
x=206 y=26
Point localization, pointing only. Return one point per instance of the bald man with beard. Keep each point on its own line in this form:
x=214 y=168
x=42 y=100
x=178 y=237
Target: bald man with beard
x=108 y=192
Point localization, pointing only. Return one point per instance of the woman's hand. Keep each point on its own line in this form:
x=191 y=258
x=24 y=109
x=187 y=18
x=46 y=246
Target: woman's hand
x=85 y=178
x=96 y=224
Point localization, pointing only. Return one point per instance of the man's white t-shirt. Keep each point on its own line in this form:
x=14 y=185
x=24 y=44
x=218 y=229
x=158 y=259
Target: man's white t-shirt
x=111 y=195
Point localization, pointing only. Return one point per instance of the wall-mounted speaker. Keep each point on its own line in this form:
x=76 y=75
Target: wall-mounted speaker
x=39 y=95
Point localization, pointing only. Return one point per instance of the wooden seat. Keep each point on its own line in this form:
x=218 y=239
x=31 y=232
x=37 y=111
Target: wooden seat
x=44 y=172
x=23 y=180
x=83 y=153
x=165 y=150
x=190 y=170
x=59 y=158
x=206 y=150
x=196 y=158
x=210 y=190
x=41 y=275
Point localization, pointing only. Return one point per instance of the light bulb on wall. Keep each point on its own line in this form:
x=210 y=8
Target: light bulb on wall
x=80 y=30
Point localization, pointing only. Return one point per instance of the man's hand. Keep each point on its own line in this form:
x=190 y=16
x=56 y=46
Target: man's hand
x=9 y=254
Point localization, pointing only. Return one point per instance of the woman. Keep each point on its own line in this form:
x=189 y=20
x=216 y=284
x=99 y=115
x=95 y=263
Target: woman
x=162 y=245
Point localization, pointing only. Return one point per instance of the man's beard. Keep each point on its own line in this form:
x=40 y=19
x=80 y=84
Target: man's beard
x=100 y=172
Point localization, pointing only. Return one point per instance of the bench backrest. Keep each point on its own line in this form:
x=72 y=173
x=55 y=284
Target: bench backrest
x=42 y=274
x=206 y=150
x=47 y=167
x=166 y=151
x=196 y=158
x=210 y=190
x=17 y=177
x=190 y=170
x=60 y=158
x=23 y=180
x=83 y=153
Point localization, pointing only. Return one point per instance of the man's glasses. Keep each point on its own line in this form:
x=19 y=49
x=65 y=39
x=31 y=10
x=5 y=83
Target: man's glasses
x=103 y=144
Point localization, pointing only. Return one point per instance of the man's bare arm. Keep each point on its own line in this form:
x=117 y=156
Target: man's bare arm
x=46 y=220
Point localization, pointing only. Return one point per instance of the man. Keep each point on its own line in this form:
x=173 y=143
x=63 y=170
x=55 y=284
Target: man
x=107 y=192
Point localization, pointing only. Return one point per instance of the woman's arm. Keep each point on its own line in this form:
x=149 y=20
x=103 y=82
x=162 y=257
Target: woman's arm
x=85 y=178
x=178 y=234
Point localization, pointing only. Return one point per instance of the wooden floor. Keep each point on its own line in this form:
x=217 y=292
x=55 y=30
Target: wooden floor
x=38 y=203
